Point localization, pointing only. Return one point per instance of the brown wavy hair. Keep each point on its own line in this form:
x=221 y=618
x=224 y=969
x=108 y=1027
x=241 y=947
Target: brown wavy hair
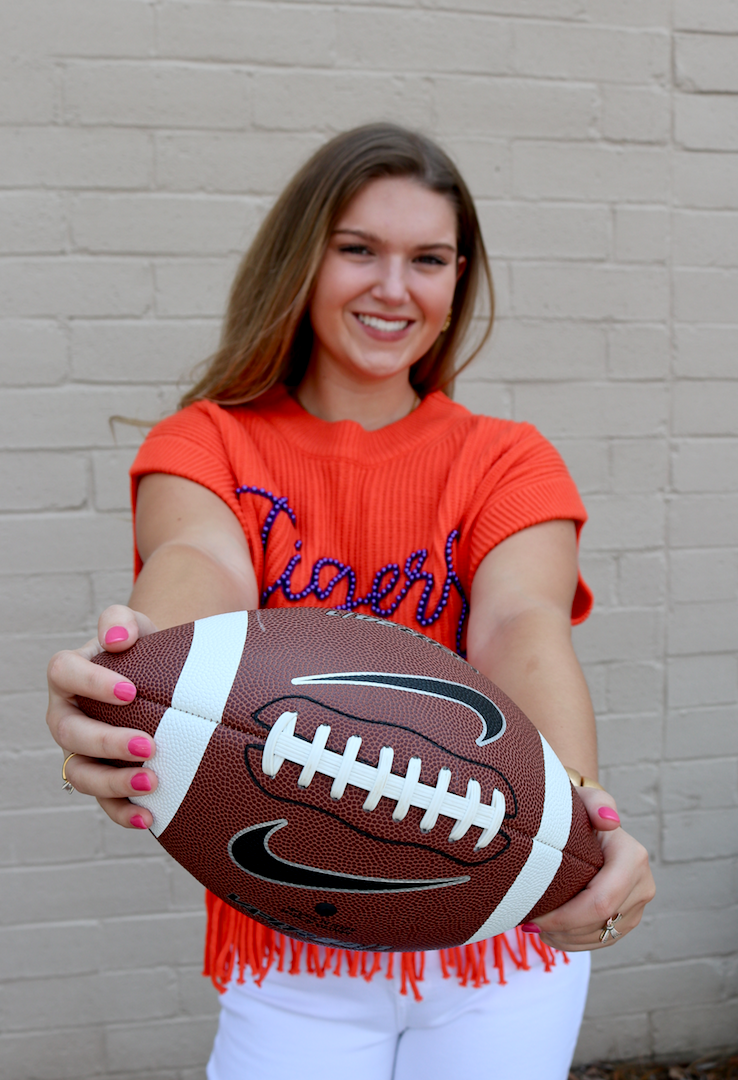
x=267 y=336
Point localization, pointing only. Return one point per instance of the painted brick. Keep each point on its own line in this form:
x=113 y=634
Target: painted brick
x=704 y=729
x=706 y=408
x=620 y=522
x=480 y=396
x=635 y=688
x=247 y=33
x=62 y=1054
x=156 y=95
x=23 y=662
x=138 y=995
x=706 y=121
x=184 y=1041
x=705 y=464
x=711 y=1025
x=186 y=894
x=586 y=460
x=139 y=351
x=225 y=161
x=701 y=681
x=704 y=521
x=410 y=41
x=193 y=287
x=636 y=788
x=82 y=542
x=628 y=12
x=38 y=837
x=706 y=62
x=637 y=989
x=22 y=727
x=541 y=350
x=163 y=939
x=705 y=351
x=639 y=465
x=593 y=173
x=595 y=292
x=176 y=224
x=613 y=1038
x=694 y=887
x=704 y=238
x=110 y=587
x=638 y=352
x=720 y=16
x=31 y=223
x=548 y=50
x=621 y=635
x=635 y=114
x=65 y=948
x=522 y=230
x=521 y=108
x=704 y=575
x=78 y=416
x=594 y=675
x=616 y=408
x=33 y=602
x=29 y=92
x=42 y=481
x=548 y=9
x=484 y=163
x=703 y=627
x=623 y=738
x=287 y=100
x=197 y=996
x=110 y=478
x=71 y=1001
x=72 y=158
x=706 y=180
x=642 y=579
x=601 y=573
x=74 y=286
x=641 y=234
x=32 y=352
x=78 y=27
x=699 y=785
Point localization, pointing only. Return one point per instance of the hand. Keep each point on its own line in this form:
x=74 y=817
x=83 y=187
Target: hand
x=624 y=885
x=70 y=673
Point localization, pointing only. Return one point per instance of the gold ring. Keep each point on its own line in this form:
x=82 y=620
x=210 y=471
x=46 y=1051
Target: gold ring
x=609 y=930
x=67 y=785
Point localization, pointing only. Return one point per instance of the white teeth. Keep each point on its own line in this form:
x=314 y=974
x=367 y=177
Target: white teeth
x=383 y=324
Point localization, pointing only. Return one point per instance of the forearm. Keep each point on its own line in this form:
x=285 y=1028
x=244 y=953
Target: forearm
x=532 y=659
x=180 y=582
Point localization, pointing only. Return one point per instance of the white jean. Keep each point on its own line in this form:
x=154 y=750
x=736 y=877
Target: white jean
x=299 y=1027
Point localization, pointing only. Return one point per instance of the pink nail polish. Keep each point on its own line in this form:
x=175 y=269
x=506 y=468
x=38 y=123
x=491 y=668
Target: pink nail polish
x=609 y=814
x=116 y=634
x=124 y=691
x=141 y=782
x=138 y=822
x=139 y=747
x=530 y=928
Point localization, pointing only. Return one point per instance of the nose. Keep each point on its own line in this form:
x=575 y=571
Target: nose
x=391 y=284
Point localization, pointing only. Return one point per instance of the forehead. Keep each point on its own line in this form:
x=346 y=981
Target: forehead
x=394 y=207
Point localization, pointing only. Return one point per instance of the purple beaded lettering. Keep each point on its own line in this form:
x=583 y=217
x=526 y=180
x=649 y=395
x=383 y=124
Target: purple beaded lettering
x=385 y=579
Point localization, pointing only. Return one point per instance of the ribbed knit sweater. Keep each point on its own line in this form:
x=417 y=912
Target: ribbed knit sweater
x=393 y=522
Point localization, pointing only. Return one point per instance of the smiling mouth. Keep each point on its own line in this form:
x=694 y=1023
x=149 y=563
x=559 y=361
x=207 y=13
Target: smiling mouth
x=389 y=326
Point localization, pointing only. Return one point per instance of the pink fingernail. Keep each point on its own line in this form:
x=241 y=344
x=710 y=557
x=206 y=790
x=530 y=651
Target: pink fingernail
x=141 y=782
x=530 y=928
x=139 y=747
x=124 y=691
x=115 y=634
x=138 y=822
x=609 y=814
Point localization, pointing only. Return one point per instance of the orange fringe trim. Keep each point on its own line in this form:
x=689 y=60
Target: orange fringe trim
x=234 y=942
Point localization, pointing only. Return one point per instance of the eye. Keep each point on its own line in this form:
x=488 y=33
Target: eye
x=354 y=249
x=432 y=260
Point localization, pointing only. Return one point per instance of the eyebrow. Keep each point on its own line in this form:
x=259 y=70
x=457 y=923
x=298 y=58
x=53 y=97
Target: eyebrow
x=376 y=239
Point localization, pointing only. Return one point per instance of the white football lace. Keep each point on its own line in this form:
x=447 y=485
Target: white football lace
x=379 y=781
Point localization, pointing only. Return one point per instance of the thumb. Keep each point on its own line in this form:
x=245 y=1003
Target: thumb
x=601 y=807
x=119 y=627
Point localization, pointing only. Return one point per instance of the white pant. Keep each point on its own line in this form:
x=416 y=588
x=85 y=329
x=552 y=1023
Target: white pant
x=299 y=1027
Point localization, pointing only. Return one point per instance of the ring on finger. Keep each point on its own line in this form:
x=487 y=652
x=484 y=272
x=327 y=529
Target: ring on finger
x=608 y=931
x=67 y=785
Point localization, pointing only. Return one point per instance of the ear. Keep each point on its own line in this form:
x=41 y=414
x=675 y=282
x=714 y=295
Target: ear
x=460 y=266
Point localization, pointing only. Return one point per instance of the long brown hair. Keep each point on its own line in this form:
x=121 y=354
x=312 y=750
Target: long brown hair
x=267 y=336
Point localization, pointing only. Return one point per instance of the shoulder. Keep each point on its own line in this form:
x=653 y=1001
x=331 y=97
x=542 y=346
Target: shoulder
x=490 y=436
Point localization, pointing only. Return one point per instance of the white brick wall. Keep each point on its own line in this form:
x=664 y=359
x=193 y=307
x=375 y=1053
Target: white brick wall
x=140 y=142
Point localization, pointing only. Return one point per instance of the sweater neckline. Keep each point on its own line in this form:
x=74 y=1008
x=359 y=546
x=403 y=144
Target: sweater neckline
x=347 y=438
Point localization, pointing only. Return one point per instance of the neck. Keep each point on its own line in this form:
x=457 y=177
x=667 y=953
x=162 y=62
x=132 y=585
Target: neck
x=373 y=404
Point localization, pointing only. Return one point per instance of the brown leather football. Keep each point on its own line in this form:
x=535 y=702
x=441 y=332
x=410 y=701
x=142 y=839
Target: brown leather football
x=350 y=782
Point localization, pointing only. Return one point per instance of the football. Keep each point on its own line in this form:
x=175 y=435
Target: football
x=350 y=782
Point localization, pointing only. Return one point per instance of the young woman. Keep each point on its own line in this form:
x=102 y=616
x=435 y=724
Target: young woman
x=320 y=462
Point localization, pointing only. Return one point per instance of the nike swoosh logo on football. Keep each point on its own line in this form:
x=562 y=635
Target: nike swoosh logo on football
x=250 y=851
x=493 y=721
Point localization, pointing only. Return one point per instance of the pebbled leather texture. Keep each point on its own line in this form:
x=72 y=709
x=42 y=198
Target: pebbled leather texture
x=543 y=854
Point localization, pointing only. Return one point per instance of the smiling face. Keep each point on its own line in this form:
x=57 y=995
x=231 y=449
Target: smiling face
x=385 y=285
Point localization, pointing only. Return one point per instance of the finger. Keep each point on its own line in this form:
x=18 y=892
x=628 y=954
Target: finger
x=90 y=777
x=601 y=807
x=127 y=814
x=80 y=734
x=119 y=627
x=72 y=674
